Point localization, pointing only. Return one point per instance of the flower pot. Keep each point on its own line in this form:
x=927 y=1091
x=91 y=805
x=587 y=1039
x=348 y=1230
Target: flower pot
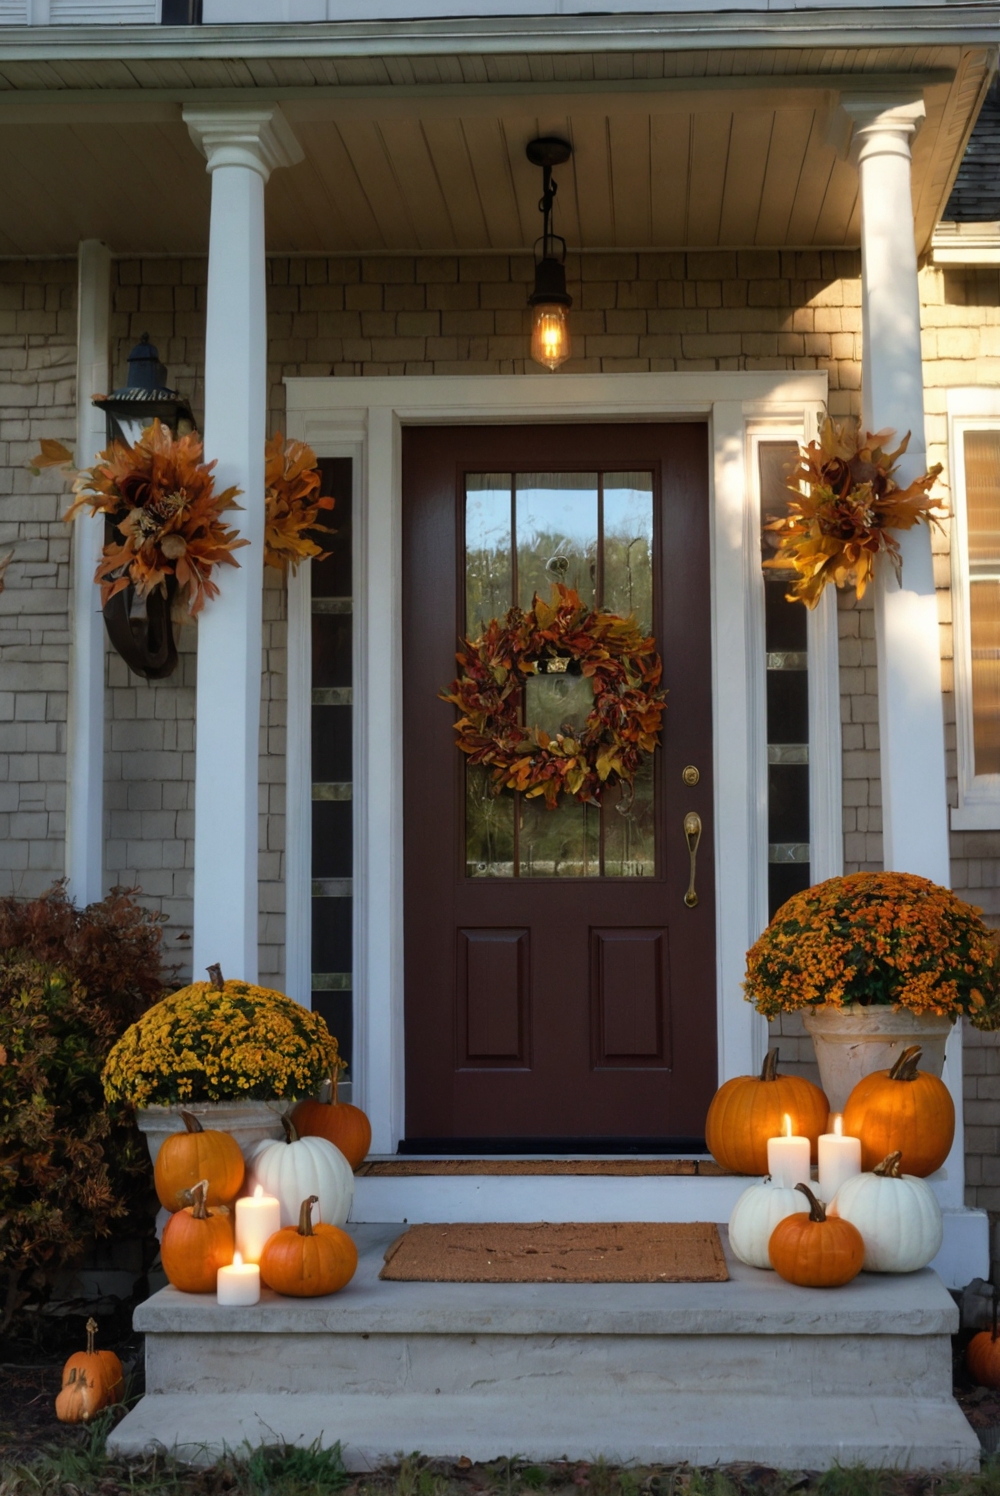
x=248 y=1122
x=852 y=1041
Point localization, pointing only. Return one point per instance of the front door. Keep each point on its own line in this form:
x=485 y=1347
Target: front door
x=559 y=984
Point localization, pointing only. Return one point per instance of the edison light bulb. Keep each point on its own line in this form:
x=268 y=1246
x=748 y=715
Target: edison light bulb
x=550 y=335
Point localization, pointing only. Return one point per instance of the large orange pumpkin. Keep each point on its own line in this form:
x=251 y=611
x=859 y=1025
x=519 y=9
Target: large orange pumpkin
x=185 y=1157
x=79 y=1400
x=748 y=1110
x=902 y=1109
x=103 y=1368
x=343 y=1125
x=815 y=1250
x=196 y=1243
x=306 y=1260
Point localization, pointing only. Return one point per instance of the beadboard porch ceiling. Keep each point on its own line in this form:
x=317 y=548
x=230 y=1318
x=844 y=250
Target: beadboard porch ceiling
x=702 y=150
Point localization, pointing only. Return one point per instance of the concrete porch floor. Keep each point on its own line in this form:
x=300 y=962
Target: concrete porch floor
x=752 y=1369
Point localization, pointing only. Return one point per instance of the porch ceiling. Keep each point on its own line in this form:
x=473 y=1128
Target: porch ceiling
x=703 y=149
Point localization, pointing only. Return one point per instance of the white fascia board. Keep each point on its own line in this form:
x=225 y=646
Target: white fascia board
x=517 y=26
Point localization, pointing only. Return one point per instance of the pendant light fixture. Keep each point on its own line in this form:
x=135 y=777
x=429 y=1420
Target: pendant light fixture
x=549 y=301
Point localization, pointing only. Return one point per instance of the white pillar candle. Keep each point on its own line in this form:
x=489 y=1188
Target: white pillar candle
x=788 y=1159
x=839 y=1159
x=238 y=1284
x=258 y=1216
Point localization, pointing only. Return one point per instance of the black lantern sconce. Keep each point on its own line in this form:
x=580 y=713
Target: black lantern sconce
x=550 y=301
x=141 y=629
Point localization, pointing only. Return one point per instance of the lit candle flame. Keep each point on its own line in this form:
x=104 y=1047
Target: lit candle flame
x=787 y=1126
x=237 y=1259
x=258 y=1193
x=838 y=1125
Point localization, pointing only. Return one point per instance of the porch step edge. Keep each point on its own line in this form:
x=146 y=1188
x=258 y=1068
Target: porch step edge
x=785 y=1431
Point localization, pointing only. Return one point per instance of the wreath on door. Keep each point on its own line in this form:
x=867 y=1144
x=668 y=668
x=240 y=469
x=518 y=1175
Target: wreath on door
x=560 y=637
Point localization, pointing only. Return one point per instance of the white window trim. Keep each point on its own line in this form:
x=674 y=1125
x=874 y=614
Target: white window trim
x=363 y=418
x=978 y=808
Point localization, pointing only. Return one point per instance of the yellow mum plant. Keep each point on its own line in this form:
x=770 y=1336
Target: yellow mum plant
x=877 y=939
x=221 y=1041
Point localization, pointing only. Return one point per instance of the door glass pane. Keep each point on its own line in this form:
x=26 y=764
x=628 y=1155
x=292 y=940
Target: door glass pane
x=982 y=497
x=558 y=703
x=982 y=489
x=489 y=826
x=556 y=534
x=560 y=843
x=628 y=546
x=629 y=828
x=488 y=549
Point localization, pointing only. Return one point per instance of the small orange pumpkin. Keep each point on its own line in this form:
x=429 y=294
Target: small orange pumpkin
x=902 y=1109
x=185 y=1157
x=103 y=1369
x=196 y=1243
x=80 y=1399
x=748 y=1110
x=815 y=1250
x=343 y=1125
x=982 y=1354
x=305 y=1261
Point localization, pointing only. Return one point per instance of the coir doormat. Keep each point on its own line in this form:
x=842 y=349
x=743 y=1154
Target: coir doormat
x=619 y=1252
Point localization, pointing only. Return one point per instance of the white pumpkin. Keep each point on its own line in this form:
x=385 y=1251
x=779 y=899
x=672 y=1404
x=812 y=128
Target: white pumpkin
x=754 y=1217
x=298 y=1167
x=897 y=1215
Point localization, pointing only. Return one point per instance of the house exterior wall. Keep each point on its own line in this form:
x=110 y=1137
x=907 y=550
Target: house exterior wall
x=423 y=316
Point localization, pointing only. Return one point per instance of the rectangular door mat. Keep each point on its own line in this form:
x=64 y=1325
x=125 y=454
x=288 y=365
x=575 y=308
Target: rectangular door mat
x=628 y=1168
x=616 y=1252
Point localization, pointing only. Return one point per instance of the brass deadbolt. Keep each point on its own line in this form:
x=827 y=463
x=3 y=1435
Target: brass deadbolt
x=690 y=775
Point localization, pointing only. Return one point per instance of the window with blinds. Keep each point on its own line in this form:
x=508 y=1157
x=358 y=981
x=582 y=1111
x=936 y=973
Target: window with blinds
x=982 y=511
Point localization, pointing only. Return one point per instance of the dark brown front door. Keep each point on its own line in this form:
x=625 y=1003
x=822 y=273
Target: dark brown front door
x=559 y=992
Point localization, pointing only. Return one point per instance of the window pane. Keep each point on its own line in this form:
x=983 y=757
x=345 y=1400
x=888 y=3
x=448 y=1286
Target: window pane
x=982 y=497
x=984 y=607
x=628 y=546
x=489 y=826
x=488 y=549
x=558 y=703
x=629 y=828
x=560 y=843
x=556 y=534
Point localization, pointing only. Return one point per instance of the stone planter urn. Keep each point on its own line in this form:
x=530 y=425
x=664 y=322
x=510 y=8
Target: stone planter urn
x=852 y=1041
x=249 y=1122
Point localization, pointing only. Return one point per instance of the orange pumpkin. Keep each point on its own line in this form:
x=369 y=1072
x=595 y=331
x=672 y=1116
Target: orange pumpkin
x=196 y=1243
x=79 y=1399
x=902 y=1109
x=306 y=1260
x=982 y=1354
x=194 y=1154
x=748 y=1110
x=103 y=1369
x=343 y=1125
x=815 y=1250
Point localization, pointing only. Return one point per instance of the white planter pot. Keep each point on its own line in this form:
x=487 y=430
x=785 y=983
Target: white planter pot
x=249 y=1122
x=853 y=1041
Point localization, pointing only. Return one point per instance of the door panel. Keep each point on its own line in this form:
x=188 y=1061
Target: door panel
x=558 y=992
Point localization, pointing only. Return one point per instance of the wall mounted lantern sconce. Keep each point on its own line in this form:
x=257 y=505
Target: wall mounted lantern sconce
x=142 y=630
x=549 y=301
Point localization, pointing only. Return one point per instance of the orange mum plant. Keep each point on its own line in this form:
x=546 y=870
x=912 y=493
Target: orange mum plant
x=160 y=496
x=846 y=503
x=877 y=938
x=292 y=504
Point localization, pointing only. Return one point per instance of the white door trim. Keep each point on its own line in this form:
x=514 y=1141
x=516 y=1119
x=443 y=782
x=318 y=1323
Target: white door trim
x=363 y=418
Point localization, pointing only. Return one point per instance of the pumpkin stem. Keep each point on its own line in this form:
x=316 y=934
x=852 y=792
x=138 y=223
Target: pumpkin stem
x=215 y=976
x=889 y=1168
x=196 y=1197
x=306 y=1216
x=191 y=1123
x=816 y=1211
x=91 y=1332
x=291 y=1131
x=769 y=1069
x=905 y=1067
x=334 y=1081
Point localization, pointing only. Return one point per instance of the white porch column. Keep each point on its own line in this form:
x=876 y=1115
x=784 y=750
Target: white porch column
x=85 y=706
x=242 y=146
x=911 y=727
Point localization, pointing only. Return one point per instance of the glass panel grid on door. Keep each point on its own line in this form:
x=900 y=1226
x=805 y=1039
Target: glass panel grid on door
x=524 y=533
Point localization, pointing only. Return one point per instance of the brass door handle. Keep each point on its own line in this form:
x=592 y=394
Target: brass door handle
x=692 y=835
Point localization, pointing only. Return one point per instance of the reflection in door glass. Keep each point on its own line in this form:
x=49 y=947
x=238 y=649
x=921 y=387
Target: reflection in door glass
x=556 y=522
x=488 y=549
x=489 y=826
x=628 y=546
x=560 y=843
x=558 y=703
x=629 y=831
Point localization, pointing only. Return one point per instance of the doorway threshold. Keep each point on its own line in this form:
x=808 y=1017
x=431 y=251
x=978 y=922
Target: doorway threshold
x=583 y=1165
x=620 y=1147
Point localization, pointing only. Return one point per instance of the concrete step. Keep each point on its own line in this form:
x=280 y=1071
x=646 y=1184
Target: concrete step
x=788 y=1430
x=749 y=1369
